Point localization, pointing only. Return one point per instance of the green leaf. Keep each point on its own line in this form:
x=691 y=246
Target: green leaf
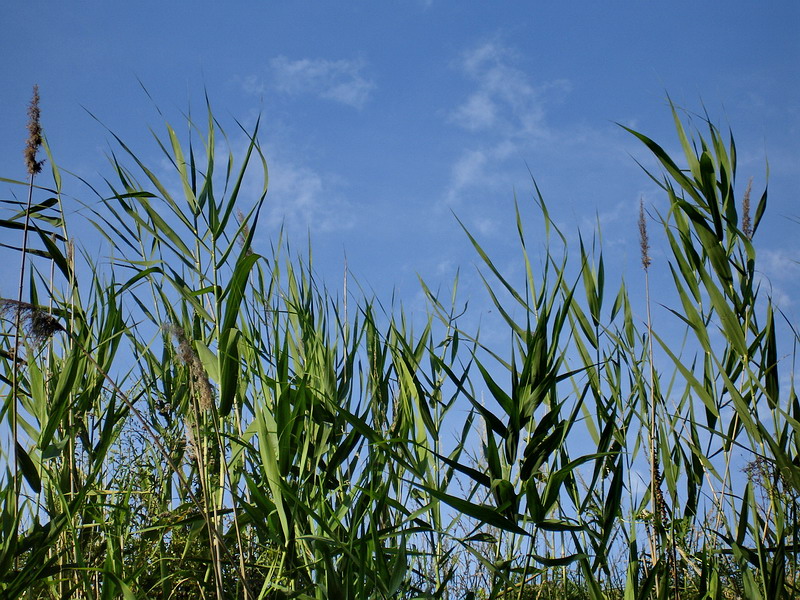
x=28 y=469
x=234 y=292
x=734 y=331
x=229 y=369
x=482 y=513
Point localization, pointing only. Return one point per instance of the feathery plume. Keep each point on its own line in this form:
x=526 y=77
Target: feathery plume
x=199 y=377
x=34 y=135
x=747 y=224
x=245 y=233
x=644 y=242
x=37 y=325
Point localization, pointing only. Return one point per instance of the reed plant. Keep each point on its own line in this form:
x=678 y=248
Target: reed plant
x=193 y=417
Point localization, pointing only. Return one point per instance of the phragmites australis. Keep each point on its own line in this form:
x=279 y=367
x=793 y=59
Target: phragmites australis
x=34 y=135
x=644 y=242
x=245 y=233
x=199 y=377
x=36 y=325
x=747 y=224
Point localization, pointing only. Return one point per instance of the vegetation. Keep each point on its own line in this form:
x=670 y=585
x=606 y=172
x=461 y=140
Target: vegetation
x=191 y=419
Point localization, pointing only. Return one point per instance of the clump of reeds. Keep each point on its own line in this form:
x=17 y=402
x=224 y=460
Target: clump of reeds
x=38 y=327
x=313 y=461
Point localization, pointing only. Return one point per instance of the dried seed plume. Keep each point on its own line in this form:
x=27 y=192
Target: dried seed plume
x=747 y=224
x=245 y=233
x=199 y=377
x=37 y=325
x=34 y=135
x=644 y=242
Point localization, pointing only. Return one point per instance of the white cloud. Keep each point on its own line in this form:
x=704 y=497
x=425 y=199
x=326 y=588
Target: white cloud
x=338 y=80
x=484 y=226
x=301 y=198
x=478 y=112
x=605 y=216
x=780 y=298
x=253 y=85
x=776 y=271
x=505 y=111
x=467 y=170
x=475 y=169
x=505 y=101
x=778 y=263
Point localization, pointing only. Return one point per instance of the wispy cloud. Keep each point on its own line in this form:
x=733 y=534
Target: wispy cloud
x=505 y=101
x=506 y=113
x=341 y=81
x=301 y=198
x=777 y=272
x=475 y=168
x=478 y=112
x=780 y=263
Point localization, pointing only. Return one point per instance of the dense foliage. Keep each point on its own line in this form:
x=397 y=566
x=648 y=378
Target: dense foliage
x=192 y=419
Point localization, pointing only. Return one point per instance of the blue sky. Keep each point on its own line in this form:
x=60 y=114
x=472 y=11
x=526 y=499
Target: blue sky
x=381 y=119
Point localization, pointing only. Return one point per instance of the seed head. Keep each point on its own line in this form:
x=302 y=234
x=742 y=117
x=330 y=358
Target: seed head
x=37 y=325
x=747 y=225
x=34 y=135
x=245 y=233
x=644 y=242
x=199 y=377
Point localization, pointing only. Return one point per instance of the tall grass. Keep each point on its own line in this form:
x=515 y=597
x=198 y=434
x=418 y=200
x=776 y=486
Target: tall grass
x=196 y=419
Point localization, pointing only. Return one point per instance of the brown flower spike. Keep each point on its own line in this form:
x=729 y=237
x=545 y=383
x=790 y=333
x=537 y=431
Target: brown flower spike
x=644 y=242
x=747 y=224
x=34 y=135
